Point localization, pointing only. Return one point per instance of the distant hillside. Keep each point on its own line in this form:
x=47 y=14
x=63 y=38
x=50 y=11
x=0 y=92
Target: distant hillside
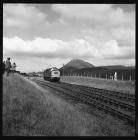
x=81 y=67
x=120 y=67
x=75 y=65
x=78 y=64
x=126 y=72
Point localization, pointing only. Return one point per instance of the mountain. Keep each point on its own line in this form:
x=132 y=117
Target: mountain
x=78 y=64
x=75 y=65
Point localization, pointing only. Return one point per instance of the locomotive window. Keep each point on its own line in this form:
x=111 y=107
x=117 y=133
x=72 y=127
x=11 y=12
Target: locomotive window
x=55 y=72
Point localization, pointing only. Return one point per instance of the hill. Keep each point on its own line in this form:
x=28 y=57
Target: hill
x=120 y=67
x=78 y=66
x=105 y=71
x=75 y=65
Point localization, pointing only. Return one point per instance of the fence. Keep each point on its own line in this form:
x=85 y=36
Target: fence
x=103 y=76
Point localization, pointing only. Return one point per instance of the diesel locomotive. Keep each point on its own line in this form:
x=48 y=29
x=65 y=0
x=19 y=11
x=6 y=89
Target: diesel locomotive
x=52 y=74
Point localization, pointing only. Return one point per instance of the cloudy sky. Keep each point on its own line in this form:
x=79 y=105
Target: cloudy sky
x=38 y=36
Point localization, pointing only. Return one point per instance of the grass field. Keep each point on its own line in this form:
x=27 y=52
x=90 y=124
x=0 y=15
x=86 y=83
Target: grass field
x=123 y=86
x=29 y=110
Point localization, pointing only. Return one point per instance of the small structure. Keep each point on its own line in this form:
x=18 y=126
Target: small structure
x=115 y=76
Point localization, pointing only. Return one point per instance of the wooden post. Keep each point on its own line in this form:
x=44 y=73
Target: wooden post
x=130 y=78
x=106 y=76
x=122 y=77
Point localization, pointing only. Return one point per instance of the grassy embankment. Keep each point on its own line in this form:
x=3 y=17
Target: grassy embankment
x=123 y=86
x=28 y=110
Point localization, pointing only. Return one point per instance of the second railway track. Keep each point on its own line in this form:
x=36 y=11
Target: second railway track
x=117 y=107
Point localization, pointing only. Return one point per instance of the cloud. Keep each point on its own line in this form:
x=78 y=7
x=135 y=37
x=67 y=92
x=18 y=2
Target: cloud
x=82 y=11
x=124 y=36
x=113 y=51
x=23 y=20
x=21 y=15
x=50 y=48
x=97 y=14
x=42 y=53
x=103 y=22
x=75 y=21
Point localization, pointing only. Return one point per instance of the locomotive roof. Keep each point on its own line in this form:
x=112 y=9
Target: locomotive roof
x=53 y=68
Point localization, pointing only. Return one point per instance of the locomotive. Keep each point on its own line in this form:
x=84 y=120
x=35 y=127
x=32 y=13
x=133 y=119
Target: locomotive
x=52 y=74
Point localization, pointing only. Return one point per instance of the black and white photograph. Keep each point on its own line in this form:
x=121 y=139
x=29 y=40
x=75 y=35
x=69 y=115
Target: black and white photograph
x=68 y=69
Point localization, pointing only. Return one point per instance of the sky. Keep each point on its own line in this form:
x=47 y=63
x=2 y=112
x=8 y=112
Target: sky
x=39 y=36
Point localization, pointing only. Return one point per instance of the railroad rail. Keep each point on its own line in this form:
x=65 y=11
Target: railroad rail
x=115 y=94
x=116 y=107
x=117 y=101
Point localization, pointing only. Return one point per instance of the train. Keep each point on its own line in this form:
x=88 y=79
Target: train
x=52 y=74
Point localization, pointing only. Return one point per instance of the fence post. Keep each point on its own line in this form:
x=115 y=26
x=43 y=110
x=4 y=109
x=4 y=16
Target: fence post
x=130 y=78
x=106 y=76
x=99 y=75
x=122 y=77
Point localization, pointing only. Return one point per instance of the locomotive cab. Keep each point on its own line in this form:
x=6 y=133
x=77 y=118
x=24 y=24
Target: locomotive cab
x=52 y=74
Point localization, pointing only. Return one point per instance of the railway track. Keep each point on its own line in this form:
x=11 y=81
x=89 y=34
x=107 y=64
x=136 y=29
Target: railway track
x=114 y=94
x=117 y=107
x=105 y=96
